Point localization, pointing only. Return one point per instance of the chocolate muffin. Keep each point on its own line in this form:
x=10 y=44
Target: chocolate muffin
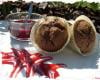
x=51 y=34
x=84 y=36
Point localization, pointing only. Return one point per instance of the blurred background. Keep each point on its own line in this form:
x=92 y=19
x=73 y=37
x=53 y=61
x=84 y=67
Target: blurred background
x=71 y=1
x=68 y=9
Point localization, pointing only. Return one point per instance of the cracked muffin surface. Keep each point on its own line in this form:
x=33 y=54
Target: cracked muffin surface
x=84 y=36
x=52 y=35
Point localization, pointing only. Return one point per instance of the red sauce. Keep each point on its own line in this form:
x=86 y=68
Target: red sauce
x=23 y=21
x=35 y=63
x=22 y=32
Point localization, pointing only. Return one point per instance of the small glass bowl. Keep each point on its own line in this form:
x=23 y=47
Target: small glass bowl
x=20 y=24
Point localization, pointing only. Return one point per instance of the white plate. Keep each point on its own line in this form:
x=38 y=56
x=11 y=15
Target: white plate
x=79 y=67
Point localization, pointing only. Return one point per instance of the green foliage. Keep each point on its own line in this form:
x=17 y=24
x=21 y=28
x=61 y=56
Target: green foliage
x=93 y=6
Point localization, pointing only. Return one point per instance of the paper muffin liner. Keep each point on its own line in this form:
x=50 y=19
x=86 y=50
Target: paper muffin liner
x=73 y=44
x=37 y=26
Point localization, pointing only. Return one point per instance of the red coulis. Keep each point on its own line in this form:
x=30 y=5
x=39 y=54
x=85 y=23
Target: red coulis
x=22 y=32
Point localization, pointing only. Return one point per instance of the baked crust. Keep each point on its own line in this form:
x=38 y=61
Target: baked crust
x=84 y=36
x=52 y=34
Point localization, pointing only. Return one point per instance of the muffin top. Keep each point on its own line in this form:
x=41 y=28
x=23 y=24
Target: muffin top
x=84 y=36
x=51 y=34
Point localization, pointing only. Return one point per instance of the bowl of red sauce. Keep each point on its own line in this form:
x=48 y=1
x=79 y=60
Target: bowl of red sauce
x=20 y=25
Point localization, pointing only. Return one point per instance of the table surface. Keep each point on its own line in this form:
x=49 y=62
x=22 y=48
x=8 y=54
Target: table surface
x=79 y=67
